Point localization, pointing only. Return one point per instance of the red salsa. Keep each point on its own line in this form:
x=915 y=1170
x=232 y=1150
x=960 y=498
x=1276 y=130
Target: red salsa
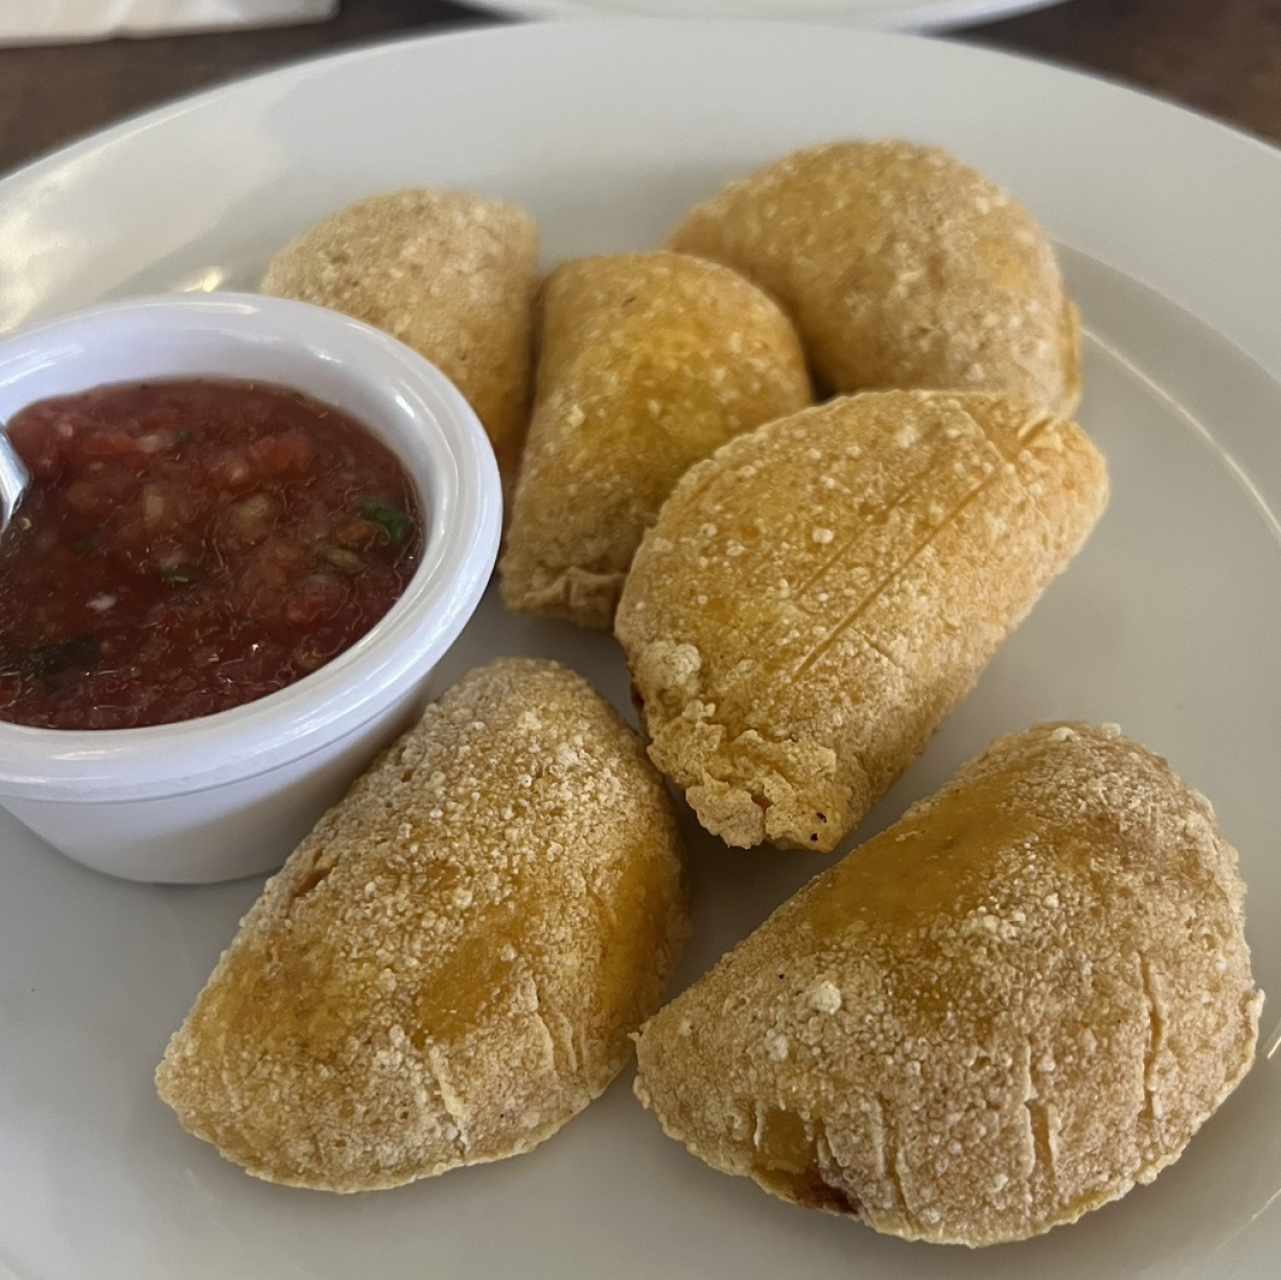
x=186 y=547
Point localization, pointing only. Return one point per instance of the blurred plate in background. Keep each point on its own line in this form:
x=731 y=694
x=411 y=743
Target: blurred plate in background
x=879 y=15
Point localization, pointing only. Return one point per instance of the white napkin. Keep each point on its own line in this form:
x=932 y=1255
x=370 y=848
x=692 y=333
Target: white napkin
x=52 y=21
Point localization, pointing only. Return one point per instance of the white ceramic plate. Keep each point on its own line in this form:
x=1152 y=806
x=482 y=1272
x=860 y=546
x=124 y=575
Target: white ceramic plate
x=1168 y=623
x=877 y=15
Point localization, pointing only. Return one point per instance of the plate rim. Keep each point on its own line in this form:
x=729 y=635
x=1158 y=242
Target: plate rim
x=1263 y=158
x=173 y=107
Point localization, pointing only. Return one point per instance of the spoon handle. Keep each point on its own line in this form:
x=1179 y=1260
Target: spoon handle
x=14 y=478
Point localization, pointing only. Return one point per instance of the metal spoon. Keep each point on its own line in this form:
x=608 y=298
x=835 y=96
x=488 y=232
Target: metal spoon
x=14 y=478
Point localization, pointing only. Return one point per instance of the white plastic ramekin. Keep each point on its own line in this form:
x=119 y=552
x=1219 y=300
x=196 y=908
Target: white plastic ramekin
x=230 y=794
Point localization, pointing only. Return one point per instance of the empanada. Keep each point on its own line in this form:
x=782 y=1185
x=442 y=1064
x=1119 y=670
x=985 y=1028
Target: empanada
x=450 y=274
x=821 y=592
x=901 y=268
x=1020 y=1000
x=447 y=969
x=648 y=363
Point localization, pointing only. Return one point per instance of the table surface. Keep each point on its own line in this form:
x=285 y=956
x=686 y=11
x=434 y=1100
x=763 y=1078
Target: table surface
x=1222 y=57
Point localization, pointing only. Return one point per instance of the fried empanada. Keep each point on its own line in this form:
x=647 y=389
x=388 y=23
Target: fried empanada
x=902 y=268
x=1020 y=1000
x=448 y=968
x=450 y=274
x=821 y=592
x=648 y=363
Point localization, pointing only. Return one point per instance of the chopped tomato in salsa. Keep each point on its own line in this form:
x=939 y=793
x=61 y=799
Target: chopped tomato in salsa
x=186 y=547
